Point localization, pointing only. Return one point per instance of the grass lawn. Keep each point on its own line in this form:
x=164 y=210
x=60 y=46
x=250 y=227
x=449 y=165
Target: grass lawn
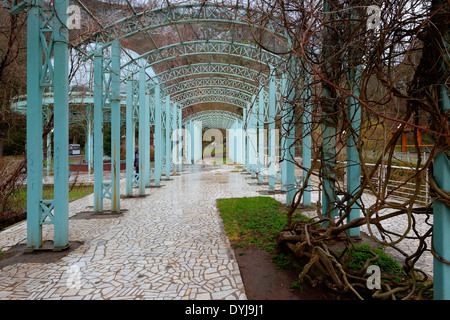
x=15 y=209
x=18 y=200
x=254 y=220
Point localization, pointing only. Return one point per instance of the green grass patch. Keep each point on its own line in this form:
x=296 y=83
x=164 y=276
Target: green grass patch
x=297 y=285
x=256 y=221
x=18 y=200
x=282 y=260
x=360 y=254
x=253 y=220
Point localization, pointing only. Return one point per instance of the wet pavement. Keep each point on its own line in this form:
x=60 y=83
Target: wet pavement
x=169 y=244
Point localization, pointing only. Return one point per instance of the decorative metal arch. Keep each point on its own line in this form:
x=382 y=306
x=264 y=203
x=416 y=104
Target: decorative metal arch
x=214 y=75
x=206 y=82
x=214 y=119
x=179 y=98
x=209 y=69
x=196 y=97
x=180 y=14
x=206 y=47
x=211 y=98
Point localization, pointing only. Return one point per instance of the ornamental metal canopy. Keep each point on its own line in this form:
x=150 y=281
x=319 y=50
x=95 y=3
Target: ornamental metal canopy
x=159 y=65
x=212 y=119
x=190 y=58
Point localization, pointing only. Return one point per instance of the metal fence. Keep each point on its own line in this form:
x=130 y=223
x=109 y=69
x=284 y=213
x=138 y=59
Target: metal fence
x=403 y=190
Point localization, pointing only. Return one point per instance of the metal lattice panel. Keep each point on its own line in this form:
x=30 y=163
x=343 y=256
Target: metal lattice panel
x=172 y=15
x=205 y=82
x=207 y=47
x=218 y=69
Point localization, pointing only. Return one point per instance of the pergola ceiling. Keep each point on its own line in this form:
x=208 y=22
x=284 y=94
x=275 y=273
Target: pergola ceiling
x=202 y=53
x=214 y=119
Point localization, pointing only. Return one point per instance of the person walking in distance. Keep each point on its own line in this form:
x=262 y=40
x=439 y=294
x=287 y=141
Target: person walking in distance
x=136 y=160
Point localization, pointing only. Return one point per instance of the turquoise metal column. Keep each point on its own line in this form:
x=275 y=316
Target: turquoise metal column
x=89 y=150
x=235 y=142
x=283 y=150
x=244 y=140
x=142 y=132
x=252 y=138
x=192 y=129
x=34 y=129
x=167 y=137
x=288 y=144
x=193 y=135
x=353 y=161
x=271 y=132
x=306 y=138
x=98 y=132
x=142 y=118
x=329 y=160
x=197 y=143
x=441 y=173
x=241 y=143
x=174 y=137
x=180 y=141
x=229 y=144
x=61 y=126
x=158 y=136
x=129 y=139
x=261 y=136
x=191 y=142
x=187 y=142
x=290 y=154
x=441 y=217
x=146 y=151
x=329 y=197
x=115 y=126
x=199 y=140
x=132 y=141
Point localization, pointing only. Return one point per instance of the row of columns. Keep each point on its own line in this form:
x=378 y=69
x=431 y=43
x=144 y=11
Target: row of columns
x=107 y=90
x=261 y=132
x=155 y=114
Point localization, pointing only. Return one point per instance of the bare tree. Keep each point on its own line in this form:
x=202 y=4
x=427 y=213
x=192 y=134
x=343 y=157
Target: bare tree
x=398 y=95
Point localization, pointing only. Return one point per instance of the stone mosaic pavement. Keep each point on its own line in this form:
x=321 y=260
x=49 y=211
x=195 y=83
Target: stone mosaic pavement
x=167 y=245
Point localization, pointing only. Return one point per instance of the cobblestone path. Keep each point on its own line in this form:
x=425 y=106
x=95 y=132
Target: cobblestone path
x=167 y=245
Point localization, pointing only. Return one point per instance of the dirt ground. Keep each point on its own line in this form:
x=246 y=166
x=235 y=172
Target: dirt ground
x=263 y=281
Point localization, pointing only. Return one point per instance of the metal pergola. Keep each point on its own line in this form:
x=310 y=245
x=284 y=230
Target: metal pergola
x=188 y=72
